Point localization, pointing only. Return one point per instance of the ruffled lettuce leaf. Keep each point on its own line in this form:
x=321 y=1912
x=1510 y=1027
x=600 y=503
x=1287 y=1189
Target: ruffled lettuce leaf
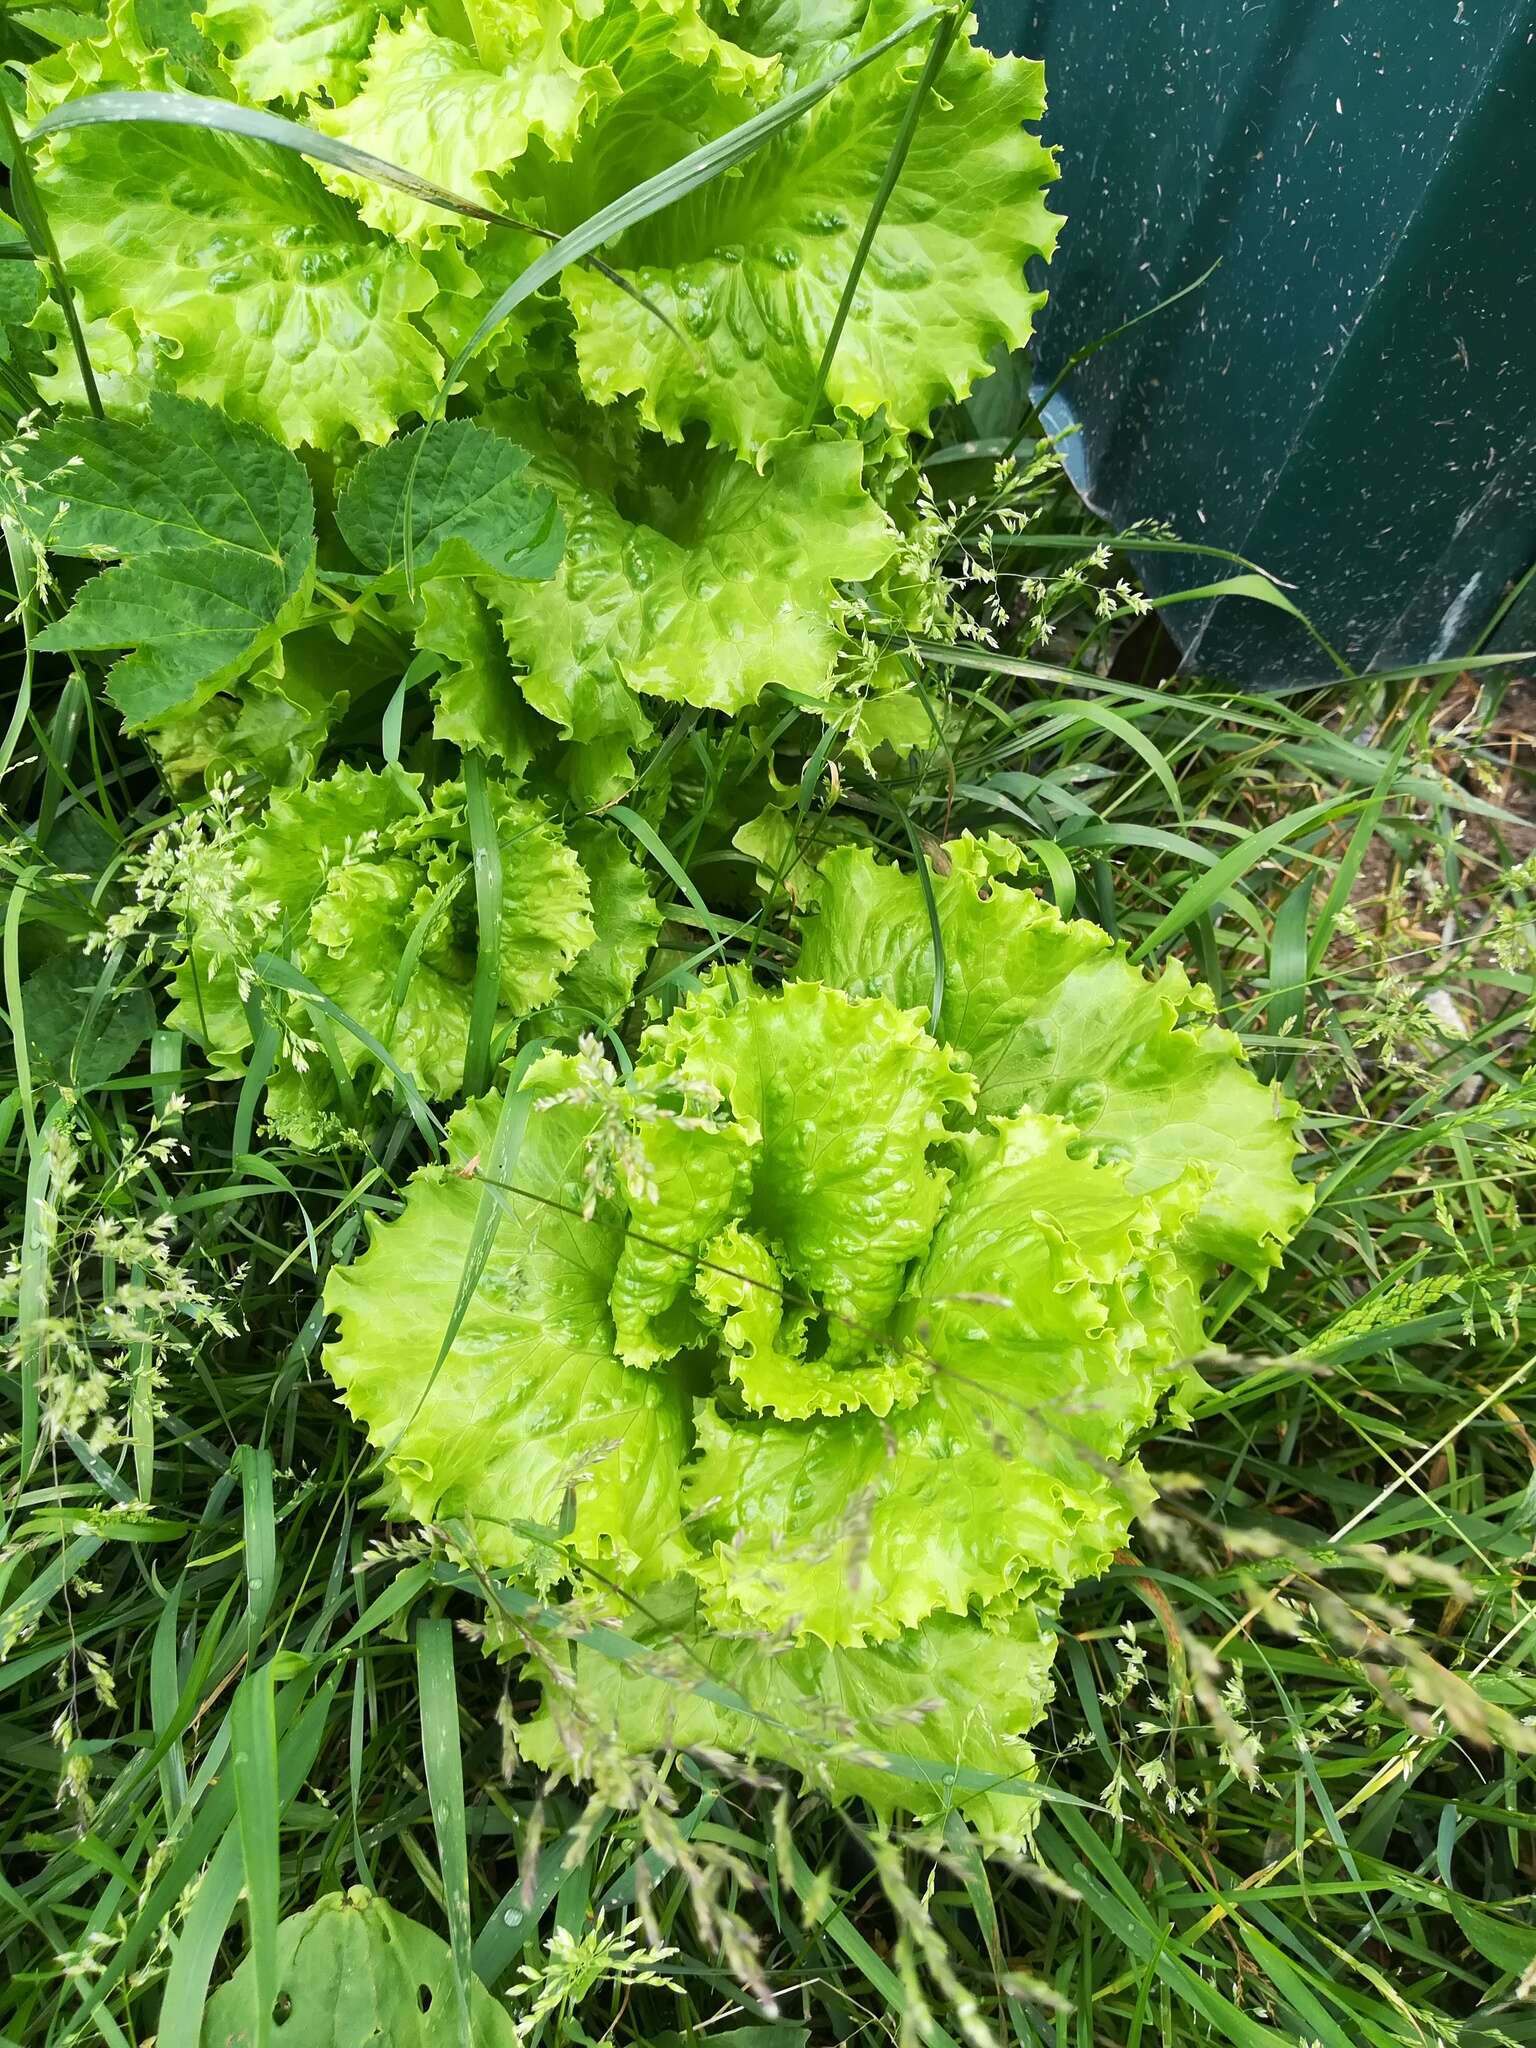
x=291 y=50
x=749 y=269
x=597 y=990
x=1003 y=1477
x=925 y=1724
x=229 y=274
x=726 y=585
x=459 y=113
x=678 y=80
x=477 y=700
x=530 y=1405
x=1054 y=1016
x=842 y=1104
x=365 y=887
x=912 y=1354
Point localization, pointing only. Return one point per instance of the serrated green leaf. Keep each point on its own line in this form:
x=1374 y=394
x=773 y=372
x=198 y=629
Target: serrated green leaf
x=1053 y=1015
x=186 y=477
x=73 y=1037
x=750 y=269
x=216 y=524
x=475 y=508
x=290 y=49
x=531 y=1403
x=729 y=586
x=364 y=886
x=925 y=1724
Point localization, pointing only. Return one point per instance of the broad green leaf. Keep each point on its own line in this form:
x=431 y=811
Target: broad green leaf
x=458 y=113
x=352 y=1971
x=78 y=1040
x=477 y=698
x=599 y=988
x=844 y=1104
x=531 y=1403
x=1003 y=1476
x=1054 y=1016
x=729 y=586
x=749 y=269
x=907 y=1337
x=474 y=508
x=216 y=525
x=186 y=477
x=953 y=1696
x=193 y=619
x=247 y=283
x=290 y=50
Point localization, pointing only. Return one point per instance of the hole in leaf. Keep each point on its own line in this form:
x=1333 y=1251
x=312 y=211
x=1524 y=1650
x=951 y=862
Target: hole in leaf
x=282 y=2008
x=424 y=1997
x=818 y=1334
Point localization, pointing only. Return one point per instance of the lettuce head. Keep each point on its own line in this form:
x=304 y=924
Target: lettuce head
x=821 y=1344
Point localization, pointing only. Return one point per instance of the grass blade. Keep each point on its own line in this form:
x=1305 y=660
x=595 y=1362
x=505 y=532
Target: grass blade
x=440 y=1746
x=254 y=1746
x=943 y=40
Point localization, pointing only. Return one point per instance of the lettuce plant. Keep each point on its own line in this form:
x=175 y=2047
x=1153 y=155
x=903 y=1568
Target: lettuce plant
x=318 y=303
x=361 y=883
x=828 y=1334
x=725 y=493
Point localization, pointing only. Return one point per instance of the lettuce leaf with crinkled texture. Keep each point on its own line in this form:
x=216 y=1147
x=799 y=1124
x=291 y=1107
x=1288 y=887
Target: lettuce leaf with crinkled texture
x=595 y=993
x=1002 y=1475
x=289 y=50
x=458 y=114
x=750 y=268
x=927 y=1723
x=530 y=1404
x=240 y=281
x=365 y=886
x=1053 y=1014
x=914 y=1346
x=729 y=586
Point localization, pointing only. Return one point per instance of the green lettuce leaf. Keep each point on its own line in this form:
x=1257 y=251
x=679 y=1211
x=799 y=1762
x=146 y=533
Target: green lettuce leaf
x=476 y=695
x=842 y=1104
x=912 y=1349
x=531 y=1404
x=291 y=50
x=728 y=586
x=457 y=113
x=600 y=987
x=750 y=268
x=242 y=281
x=1003 y=1476
x=1053 y=1015
x=895 y=1725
